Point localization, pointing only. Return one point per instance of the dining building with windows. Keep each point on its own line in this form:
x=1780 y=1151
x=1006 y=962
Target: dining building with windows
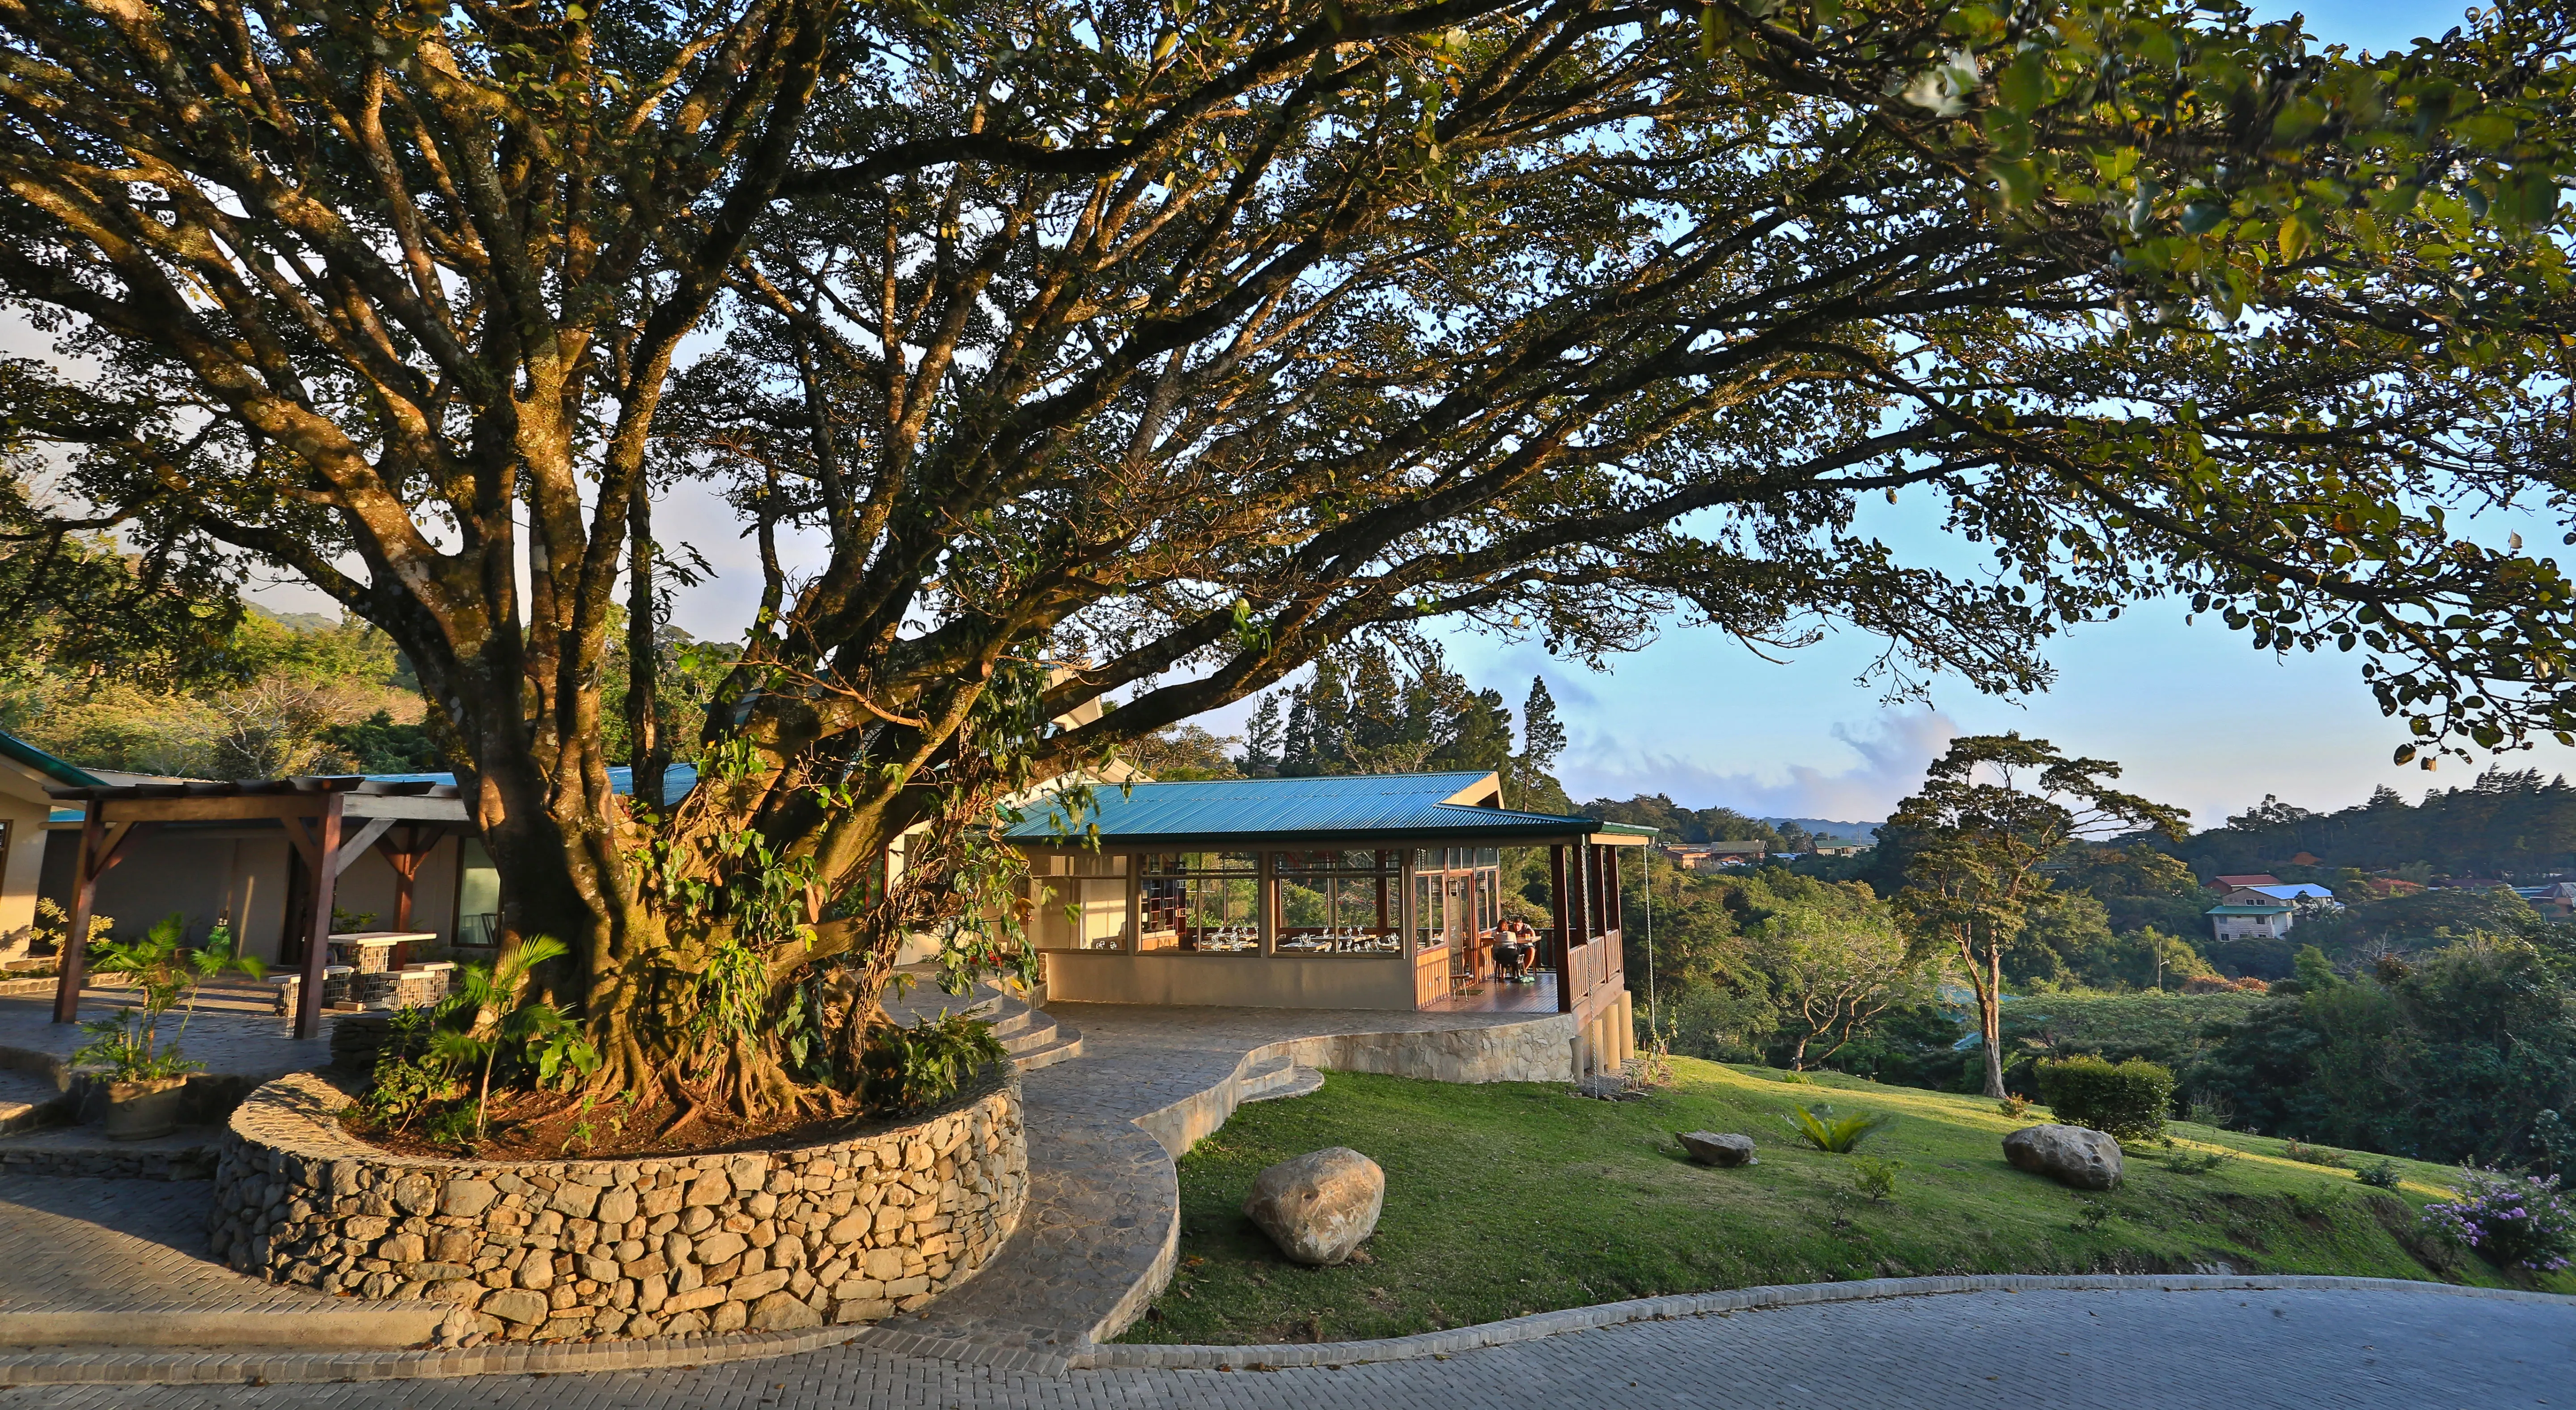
x=1370 y=891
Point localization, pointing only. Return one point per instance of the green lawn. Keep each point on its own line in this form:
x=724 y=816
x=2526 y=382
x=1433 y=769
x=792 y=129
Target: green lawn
x=1516 y=1198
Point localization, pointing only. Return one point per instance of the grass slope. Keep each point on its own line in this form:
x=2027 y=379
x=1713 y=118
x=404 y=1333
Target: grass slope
x=1516 y=1198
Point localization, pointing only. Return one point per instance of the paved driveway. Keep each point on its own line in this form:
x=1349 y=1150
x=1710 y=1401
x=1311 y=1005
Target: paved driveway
x=2058 y=1350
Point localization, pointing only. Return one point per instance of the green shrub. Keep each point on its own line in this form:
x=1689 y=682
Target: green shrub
x=907 y=1069
x=2380 y=1174
x=1834 y=1135
x=2128 y=1099
x=1875 y=1178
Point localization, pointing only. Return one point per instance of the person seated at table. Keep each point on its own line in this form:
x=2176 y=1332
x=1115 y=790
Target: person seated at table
x=1513 y=951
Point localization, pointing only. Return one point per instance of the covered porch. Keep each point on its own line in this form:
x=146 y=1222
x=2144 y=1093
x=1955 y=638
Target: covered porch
x=1378 y=892
x=328 y=823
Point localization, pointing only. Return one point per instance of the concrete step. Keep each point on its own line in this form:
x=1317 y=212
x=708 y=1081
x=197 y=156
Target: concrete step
x=322 y=1322
x=84 y=1152
x=1274 y=1078
x=29 y=1102
x=1067 y=1045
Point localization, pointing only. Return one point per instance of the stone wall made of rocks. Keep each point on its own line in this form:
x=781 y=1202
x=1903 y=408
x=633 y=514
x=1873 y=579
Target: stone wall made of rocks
x=850 y=1231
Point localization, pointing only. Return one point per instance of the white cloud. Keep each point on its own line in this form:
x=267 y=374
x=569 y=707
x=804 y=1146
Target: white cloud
x=1893 y=752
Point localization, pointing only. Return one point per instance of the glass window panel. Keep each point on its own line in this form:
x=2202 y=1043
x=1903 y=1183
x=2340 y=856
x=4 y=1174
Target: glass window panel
x=478 y=896
x=1200 y=863
x=1430 y=927
x=1204 y=914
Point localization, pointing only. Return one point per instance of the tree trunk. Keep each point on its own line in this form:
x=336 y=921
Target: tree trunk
x=1990 y=1017
x=647 y=752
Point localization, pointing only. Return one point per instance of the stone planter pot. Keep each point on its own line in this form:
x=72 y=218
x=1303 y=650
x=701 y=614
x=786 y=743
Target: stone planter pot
x=873 y=1221
x=141 y=1110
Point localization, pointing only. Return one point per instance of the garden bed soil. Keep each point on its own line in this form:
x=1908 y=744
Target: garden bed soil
x=548 y=1127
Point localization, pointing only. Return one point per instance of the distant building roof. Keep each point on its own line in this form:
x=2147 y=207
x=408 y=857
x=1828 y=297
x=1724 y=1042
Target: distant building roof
x=2292 y=891
x=1341 y=807
x=2247 y=911
x=2260 y=878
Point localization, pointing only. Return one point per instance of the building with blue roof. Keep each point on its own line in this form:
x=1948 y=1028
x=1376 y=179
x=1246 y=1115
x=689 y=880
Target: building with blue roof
x=1361 y=892
x=1367 y=891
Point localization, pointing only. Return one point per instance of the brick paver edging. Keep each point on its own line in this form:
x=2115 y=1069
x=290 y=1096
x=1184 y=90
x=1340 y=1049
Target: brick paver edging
x=1655 y=1309
x=520 y=1358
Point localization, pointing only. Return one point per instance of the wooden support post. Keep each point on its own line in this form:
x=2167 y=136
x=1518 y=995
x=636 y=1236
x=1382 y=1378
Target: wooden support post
x=404 y=855
x=1560 y=904
x=317 y=945
x=73 y=962
x=100 y=850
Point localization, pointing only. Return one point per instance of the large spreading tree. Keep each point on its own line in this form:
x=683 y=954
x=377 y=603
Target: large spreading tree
x=1164 y=348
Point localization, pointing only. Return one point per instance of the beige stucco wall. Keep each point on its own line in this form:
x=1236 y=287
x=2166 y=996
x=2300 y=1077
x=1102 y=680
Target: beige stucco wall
x=23 y=808
x=203 y=873
x=1248 y=981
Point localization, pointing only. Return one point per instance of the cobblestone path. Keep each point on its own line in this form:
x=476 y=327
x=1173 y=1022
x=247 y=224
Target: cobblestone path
x=1975 y=1351
x=118 y=1245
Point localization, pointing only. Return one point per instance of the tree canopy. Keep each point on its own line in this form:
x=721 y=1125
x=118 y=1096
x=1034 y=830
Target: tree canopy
x=1163 y=350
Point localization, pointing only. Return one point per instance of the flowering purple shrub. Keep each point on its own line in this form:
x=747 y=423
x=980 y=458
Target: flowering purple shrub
x=2512 y=1221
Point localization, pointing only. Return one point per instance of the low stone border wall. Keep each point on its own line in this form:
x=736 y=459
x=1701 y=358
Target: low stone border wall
x=845 y=1232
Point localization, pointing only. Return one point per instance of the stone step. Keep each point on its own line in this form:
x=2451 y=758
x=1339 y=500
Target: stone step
x=29 y=1102
x=238 y=1000
x=1032 y=1031
x=84 y=1152
x=1290 y=1080
x=322 y=1322
x=1066 y=1046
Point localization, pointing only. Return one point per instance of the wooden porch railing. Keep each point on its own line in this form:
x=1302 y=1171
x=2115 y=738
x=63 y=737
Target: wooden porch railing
x=1585 y=969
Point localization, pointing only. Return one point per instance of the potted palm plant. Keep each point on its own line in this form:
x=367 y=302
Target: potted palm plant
x=146 y=1079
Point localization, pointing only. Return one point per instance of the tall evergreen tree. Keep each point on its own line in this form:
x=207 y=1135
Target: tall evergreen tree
x=1263 y=740
x=1380 y=723
x=1542 y=734
x=1297 y=757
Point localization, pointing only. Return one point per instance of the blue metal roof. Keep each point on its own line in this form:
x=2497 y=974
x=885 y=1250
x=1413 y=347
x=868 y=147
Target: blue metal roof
x=676 y=782
x=71 y=775
x=1339 y=807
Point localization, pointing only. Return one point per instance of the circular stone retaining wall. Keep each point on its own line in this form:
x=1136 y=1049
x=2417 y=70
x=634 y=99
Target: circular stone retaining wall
x=849 y=1231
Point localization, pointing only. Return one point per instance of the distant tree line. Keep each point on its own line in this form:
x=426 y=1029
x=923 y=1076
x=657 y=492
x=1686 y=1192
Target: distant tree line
x=2506 y=824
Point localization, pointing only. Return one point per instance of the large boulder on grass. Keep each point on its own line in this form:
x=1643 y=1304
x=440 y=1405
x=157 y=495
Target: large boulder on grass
x=1318 y=1207
x=2071 y=1155
x=1723 y=1151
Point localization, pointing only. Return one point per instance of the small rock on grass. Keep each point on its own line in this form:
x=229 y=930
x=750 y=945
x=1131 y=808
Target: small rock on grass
x=1318 y=1207
x=1724 y=1151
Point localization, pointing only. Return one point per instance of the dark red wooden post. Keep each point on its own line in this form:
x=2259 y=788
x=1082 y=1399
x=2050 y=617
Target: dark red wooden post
x=1560 y=900
x=317 y=945
x=72 y=965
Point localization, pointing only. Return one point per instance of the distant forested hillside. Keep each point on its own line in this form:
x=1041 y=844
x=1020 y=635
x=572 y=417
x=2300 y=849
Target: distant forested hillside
x=1680 y=824
x=2505 y=824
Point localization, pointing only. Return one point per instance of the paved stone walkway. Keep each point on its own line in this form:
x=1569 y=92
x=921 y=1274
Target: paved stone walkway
x=102 y=1245
x=235 y=1045
x=1981 y=1351
x=1103 y=1218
